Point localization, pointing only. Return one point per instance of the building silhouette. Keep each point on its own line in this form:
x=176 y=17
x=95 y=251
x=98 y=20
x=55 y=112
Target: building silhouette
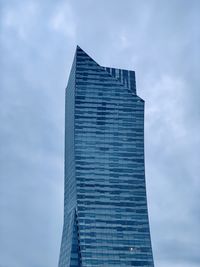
x=105 y=205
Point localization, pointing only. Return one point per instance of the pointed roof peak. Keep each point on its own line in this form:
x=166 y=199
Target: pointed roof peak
x=78 y=48
x=82 y=53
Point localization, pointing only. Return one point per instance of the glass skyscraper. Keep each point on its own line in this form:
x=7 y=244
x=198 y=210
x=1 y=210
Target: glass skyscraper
x=105 y=206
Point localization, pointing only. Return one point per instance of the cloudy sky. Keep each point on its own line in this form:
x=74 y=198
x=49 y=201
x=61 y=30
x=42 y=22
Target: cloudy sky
x=160 y=41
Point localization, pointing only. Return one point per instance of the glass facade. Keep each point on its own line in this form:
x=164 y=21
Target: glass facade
x=105 y=205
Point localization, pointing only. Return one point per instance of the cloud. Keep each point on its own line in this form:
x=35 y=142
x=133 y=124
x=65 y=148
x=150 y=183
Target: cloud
x=63 y=21
x=19 y=19
x=157 y=39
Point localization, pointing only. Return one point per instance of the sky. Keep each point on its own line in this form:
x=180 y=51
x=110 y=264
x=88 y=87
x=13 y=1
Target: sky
x=160 y=41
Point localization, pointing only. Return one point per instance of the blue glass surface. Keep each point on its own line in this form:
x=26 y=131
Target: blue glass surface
x=105 y=210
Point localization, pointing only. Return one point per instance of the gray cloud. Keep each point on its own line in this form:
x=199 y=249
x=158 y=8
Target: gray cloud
x=157 y=39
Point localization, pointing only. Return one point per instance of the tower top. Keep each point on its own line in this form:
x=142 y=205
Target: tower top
x=124 y=77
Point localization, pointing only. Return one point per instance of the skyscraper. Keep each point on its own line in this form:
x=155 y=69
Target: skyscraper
x=105 y=207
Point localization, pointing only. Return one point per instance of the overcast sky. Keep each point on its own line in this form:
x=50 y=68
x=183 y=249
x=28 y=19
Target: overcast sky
x=160 y=40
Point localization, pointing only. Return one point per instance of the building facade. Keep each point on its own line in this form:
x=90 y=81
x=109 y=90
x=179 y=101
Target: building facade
x=105 y=206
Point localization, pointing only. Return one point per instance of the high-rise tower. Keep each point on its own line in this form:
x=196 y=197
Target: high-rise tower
x=105 y=207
